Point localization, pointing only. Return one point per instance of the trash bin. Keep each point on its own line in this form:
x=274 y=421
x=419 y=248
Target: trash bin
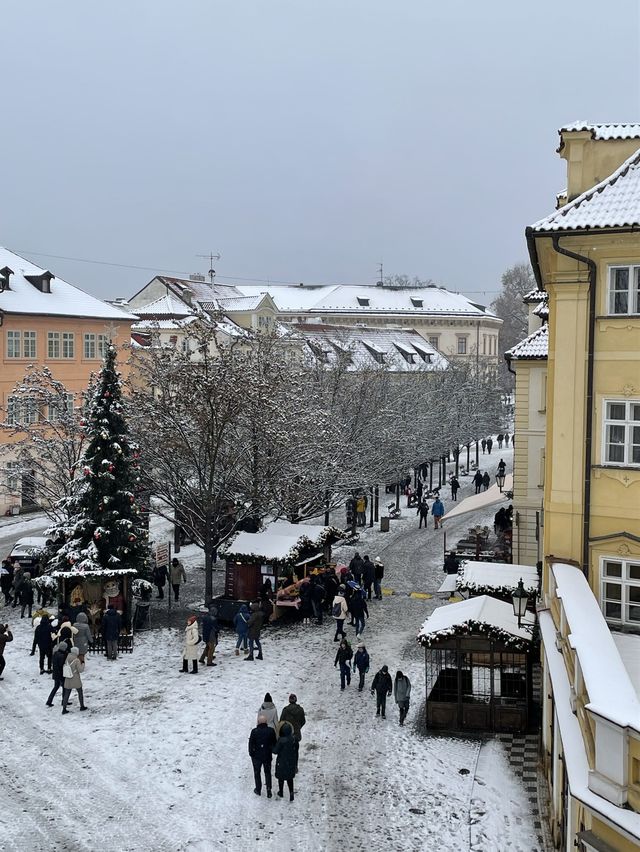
x=384 y=524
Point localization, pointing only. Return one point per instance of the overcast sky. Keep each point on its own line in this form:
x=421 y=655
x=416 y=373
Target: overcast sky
x=306 y=140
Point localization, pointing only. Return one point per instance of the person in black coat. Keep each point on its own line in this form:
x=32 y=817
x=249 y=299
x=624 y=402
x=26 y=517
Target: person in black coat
x=343 y=656
x=306 y=609
x=286 y=760
x=368 y=575
x=317 y=594
x=210 y=636
x=489 y=445
x=455 y=485
x=382 y=686
x=331 y=586
x=25 y=594
x=6 y=580
x=358 y=609
x=160 y=576
x=423 y=511
x=60 y=654
x=43 y=640
x=378 y=577
x=356 y=566
x=451 y=564
x=111 y=623
x=262 y=740
x=477 y=481
x=486 y=481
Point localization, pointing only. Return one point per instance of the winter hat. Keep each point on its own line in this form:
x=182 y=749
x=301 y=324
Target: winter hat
x=268 y=698
x=385 y=669
x=378 y=560
x=63 y=646
x=191 y=619
x=361 y=645
x=286 y=730
x=74 y=650
x=293 y=698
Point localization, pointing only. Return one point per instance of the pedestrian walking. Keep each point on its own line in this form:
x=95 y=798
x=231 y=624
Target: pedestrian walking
x=455 y=486
x=25 y=594
x=361 y=664
x=486 y=481
x=506 y=439
x=423 y=511
x=209 y=636
x=286 y=752
x=361 y=510
x=83 y=638
x=382 y=686
x=254 y=627
x=483 y=444
x=268 y=710
x=160 y=579
x=262 y=740
x=331 y=585
x=190 y=649
x=111 y=624
x=356 y=566
x=359 y=610
x=42 y=638
x=378 y=577
x=317 y=597
x=6 y=580
x=502 y=467
x=5 y=636
x=477 y=481
x=241 y=626
x=178 y=576
x=344 y=655
x=71 y=670
x=437 y=510
x=60 y=654
x=304 y=594
x=368 y=575
x=293 y=714
x=402 y=694
x=489 y=445
x=339 y=612
x=500 y=439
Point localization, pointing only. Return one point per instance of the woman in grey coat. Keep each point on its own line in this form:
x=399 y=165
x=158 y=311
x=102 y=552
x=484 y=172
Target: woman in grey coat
x=74 y=681
x=402 y=693
x=83 y=637
x=268 y=710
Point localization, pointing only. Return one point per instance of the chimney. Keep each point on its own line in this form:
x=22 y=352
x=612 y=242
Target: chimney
x=187 y=295
x=5 y=273
x=41 y=282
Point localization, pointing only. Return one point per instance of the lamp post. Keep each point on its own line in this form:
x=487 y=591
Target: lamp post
x=500 y=478
x=520 y=600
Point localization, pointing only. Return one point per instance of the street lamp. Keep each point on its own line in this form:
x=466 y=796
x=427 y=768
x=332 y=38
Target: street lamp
x=520 y=600
x=500 y=478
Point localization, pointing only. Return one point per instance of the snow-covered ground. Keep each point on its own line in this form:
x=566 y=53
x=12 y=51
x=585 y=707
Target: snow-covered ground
x=160 y=762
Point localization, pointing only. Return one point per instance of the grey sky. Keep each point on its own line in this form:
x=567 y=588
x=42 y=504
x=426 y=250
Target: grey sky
x=305 y=140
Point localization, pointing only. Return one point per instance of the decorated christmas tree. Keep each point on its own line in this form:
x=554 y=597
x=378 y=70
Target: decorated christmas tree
x=104 y=531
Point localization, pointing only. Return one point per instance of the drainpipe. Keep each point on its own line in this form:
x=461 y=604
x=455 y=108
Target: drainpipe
x=586 y=520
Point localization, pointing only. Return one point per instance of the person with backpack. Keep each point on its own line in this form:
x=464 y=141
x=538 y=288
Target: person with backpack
x=209 y=636
x=359 y=609
x=402 y=693
x=344 y=655
x=361 y=663
x=437 y=510
x=382 y=686
x=339 y=612
x=378 y=577
x=241 y=626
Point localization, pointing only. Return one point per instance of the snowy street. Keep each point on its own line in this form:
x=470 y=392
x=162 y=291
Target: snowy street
x=160 y=761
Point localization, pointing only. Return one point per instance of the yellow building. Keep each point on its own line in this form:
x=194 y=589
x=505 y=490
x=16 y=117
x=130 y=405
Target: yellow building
x=586 y=255
x=46 y=322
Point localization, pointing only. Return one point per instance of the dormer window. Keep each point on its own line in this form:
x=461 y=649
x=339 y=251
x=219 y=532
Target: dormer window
x=41 y=282
x=417 y=303
x=363 y=301
x=5 y=273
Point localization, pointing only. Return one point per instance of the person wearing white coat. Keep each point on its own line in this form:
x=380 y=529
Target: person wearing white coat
x=268 y=710
x=190 y=650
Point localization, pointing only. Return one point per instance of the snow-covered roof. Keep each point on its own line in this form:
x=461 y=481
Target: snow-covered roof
x=628 y=645
x=241 y=303
x=163 y=324
x=534 y=296
x=347 y=298
x=400 y=349
x=542 y=311
x=604 y=131
x=165 y=305
x=64 y=300
x=496 y=576
x=280 y=540
x=476 y=615
x=612 y=203
x=536 y=345
x=611 y=692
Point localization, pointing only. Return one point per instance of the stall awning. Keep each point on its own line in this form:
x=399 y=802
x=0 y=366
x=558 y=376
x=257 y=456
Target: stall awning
x=483 y=614
x=309 y=559
x=479 y=501
x=502 y=577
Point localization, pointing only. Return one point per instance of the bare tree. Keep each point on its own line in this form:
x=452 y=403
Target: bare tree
x=44 y=426
x=517 y=281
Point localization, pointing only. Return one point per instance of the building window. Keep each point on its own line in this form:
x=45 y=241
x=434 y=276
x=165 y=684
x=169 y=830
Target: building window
x=621 y=591
x=90 y=346
x=29 y=344
x=13 y=344
x=53 y=344
x=103 y=343
x=434 y=340
x=622 y=433
x=22 y=411
x=12 y=470
x=68 y=344
x=57 y=406
x=624 y=290
x=21 y=344
x=462 y=346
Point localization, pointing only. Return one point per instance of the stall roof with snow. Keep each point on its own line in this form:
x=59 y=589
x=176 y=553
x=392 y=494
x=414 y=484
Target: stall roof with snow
x=485 y=498
x=484 y=615
x=281 y=541
x=486 y=578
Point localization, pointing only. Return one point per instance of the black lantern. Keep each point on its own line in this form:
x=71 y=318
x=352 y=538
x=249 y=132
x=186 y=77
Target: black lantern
x=500 y=478
x=520 y=600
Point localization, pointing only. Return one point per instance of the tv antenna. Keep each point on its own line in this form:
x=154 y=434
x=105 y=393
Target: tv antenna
x=381 y=274
x=211 y=257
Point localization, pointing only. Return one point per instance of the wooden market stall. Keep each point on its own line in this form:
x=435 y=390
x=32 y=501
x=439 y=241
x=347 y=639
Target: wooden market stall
x=91 y=592
x=282 y=553
x=478 y=666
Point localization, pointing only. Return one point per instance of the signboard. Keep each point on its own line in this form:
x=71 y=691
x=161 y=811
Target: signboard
x=163 y=554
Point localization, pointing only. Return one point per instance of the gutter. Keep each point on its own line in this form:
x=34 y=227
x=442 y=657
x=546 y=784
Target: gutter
x=586 y=518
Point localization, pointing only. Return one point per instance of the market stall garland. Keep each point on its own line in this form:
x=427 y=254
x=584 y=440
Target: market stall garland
x=473 y=628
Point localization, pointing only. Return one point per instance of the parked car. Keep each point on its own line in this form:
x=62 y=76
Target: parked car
x=27 y=551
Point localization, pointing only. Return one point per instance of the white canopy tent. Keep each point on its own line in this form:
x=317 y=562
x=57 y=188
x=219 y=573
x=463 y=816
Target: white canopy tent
x=479 y=501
